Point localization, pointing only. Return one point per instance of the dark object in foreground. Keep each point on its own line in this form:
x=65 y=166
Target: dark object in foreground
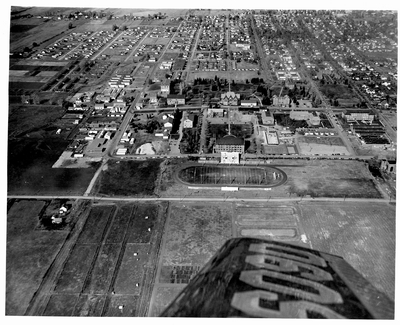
x=251 y=277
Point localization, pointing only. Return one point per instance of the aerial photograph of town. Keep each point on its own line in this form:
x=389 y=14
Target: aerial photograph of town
x=196 y=162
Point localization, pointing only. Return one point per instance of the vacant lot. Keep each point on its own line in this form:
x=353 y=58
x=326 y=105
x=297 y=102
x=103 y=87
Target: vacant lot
x=24 y=119
x=129 y=178
x=330 y=178
x=30 y=169
x=322 y=146
x=207 y=227
x=362 y=233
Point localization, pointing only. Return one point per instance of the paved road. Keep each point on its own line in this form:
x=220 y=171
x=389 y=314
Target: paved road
x=105 y=46
x=261 y=54
x=227 y=198
x=189 y=63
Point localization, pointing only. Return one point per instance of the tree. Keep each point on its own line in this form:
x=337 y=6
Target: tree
x=24 y=99
x=35 y=99
x=70 y=26
x=114 y=27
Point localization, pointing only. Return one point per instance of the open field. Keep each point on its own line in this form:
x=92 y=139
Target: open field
x=207 y=227
x=129 y=178
x=29 y=254
x=29 y=118
x=332 y=178
x=30 y=168
x=322 y=146
x=95 y=267
x=75 y=270
x=39 y=34
x=186 y=249
x=274 y=149
x=93 y=231
x=363 y=234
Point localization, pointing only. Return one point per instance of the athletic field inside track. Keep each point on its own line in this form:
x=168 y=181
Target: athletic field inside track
x=239 y=176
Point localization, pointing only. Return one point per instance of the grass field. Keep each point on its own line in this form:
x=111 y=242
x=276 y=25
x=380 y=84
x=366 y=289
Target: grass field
x=236 y=176
x=25 y=118
x=29 y=254
x=93 y=231
x=112 y=254
x=327 y=178
x=39 y=34
x=363 y=234
x=322 y=146
x=332 y=179
x=30 y=169
x=129 y=178
x=186 y=249
x=207 y=227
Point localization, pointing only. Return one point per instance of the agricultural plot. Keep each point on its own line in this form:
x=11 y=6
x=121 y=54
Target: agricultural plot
x=76 y=268
x=132 y=269
x=119 y=226
x=110 y=264
x=88 y=305
x=61 y=305
x=128 y=302
x=186 y=249
x=30 y=253
x=142 y=223
x=109 y=256
x=95 y=226
x=103 y=269
x=206 y=229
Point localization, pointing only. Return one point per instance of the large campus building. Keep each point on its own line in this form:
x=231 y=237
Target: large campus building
x=229 y=143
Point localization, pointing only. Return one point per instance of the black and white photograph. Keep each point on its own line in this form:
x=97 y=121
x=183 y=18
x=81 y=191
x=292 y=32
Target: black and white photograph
x=176 y=159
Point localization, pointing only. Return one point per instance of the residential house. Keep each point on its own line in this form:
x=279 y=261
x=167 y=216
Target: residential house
x=388 y=166
x=165 y=88
x=190 y=121
x=169 y=122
